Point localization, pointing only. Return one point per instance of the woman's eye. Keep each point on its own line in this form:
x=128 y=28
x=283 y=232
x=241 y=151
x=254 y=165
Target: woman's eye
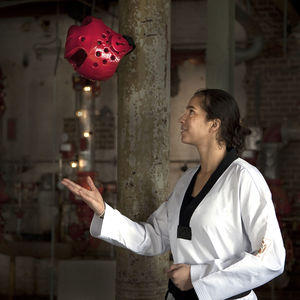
x=191 y=112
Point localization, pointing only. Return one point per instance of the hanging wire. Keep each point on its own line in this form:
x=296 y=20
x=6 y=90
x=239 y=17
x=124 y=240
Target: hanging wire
x=113 y=17
x=248 y=7
x=96 y=8
x=285 y=29
x=93 y=8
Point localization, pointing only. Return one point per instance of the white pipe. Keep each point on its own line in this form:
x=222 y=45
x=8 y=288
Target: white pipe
x=253 y=32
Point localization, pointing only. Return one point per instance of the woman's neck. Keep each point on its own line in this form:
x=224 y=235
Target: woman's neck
x=210 y=157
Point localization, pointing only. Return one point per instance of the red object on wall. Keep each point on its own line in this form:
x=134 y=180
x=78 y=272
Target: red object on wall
x=11 y=129
x=83 y=143
x=94 y=49
x=2 y=102
x=85 y=214
x=280 y=198
x=20 y=213
x=67 y=150
x=2 y=105
x=273 y=135
x=3 y=194
x=250 y=156
x=82 y=180
x=76 y=231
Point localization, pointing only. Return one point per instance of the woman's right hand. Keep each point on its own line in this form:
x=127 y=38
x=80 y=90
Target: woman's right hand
x=91 y=197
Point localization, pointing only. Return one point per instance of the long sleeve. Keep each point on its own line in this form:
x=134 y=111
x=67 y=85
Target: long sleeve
x=149 y=238
x=264 y=260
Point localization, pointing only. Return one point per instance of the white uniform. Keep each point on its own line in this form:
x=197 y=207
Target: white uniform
x=236 y=243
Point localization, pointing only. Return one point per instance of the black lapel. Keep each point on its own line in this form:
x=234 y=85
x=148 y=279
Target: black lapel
x=190 y=204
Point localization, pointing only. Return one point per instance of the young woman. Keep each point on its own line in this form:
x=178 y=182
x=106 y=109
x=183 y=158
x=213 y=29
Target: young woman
x=219 y=222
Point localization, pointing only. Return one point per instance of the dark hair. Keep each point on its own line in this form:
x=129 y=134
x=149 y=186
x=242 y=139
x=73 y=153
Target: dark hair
x=219 y=104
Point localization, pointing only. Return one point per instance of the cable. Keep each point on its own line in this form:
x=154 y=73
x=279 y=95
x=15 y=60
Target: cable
x=93 y=8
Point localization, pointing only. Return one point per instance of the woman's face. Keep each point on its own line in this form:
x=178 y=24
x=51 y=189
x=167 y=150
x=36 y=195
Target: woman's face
x=195 y=128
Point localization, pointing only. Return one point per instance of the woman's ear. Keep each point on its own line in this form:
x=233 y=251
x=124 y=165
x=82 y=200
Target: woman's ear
x=216 y=124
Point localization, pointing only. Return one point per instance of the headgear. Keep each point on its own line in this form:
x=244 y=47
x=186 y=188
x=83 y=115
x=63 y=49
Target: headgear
x=95 y=50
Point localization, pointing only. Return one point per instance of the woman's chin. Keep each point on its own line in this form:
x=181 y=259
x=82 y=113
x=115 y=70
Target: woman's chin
x=184 y=140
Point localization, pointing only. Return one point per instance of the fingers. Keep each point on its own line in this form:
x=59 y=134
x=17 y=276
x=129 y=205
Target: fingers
x=91 y=184
x=72 y=186
x=174 y=267
x=180 y=276
x=67 y=182
x=172 y=272
x=84 y=193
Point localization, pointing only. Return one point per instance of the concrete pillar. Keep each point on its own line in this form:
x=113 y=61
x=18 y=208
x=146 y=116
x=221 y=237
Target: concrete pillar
x=220 y=44
x=143 y=138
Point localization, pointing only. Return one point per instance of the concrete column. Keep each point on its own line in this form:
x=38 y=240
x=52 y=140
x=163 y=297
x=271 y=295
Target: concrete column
x=143 y=138
x=220 y=44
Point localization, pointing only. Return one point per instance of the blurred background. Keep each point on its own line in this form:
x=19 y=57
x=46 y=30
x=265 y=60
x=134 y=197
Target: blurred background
x=55 y=124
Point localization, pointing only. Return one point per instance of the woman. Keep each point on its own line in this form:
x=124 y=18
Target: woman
x=219 y=222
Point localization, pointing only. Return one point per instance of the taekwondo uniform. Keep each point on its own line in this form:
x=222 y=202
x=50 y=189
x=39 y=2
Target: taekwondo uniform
x=228 y=233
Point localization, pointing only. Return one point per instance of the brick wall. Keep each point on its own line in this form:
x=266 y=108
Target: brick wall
x=273 y=88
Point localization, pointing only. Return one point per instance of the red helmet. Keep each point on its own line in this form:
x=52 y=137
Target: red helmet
x=94 y=49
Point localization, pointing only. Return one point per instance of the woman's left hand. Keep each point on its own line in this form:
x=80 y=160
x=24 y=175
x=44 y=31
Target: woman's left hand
x=180 y=274
x=91 y=196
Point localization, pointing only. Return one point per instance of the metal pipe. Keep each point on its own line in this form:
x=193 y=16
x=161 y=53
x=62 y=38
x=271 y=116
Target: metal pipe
x=253 y=32
x=53 y=237
x=86 y=133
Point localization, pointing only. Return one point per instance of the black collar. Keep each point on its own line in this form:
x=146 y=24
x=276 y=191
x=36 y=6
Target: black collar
x=190 y=204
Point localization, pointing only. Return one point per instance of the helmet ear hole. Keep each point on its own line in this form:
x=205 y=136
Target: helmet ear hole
x=78 y=58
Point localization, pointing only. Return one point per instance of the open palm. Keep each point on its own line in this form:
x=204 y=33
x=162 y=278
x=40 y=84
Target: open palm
x=91 y=197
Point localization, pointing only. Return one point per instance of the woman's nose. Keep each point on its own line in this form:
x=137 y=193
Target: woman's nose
x=181 y=119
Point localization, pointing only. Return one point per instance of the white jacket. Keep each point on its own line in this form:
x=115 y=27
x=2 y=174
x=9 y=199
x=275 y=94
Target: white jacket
x=236 y=242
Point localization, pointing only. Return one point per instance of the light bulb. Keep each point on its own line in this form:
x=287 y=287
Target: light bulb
x=86 y=134
x=82 y=163
x=79 y=113
x=74 y=164
x=87 y=88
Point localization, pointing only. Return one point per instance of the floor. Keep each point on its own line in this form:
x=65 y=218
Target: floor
x=291 y=292
x=262 y=294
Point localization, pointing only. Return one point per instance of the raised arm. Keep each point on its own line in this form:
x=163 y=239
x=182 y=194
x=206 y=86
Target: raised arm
x=146 y=238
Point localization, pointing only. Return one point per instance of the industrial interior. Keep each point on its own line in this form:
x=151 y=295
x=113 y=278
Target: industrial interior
x=123 y=131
